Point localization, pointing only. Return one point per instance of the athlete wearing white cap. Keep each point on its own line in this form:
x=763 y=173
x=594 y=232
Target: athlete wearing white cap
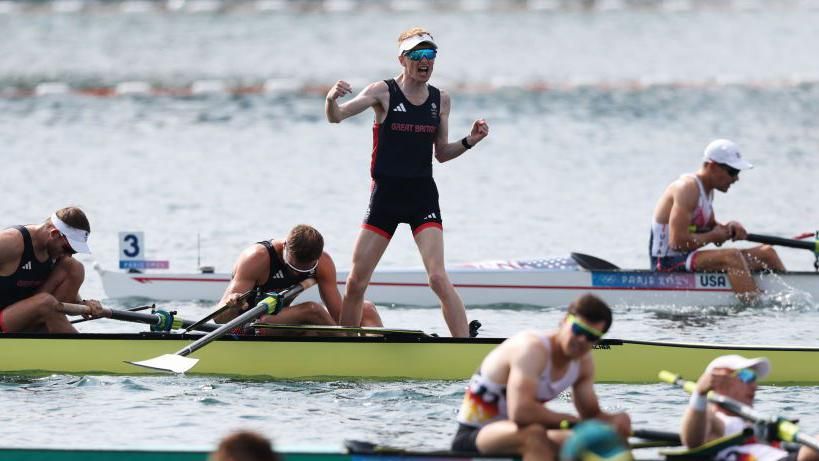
x=684 y=223
x=736 y=377
x=38 y=274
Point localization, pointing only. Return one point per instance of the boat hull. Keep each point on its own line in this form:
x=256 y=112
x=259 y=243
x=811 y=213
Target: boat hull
x=10 y=454
x=373 y=358
x=480 y=286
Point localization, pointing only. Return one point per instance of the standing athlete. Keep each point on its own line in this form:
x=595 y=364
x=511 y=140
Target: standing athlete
x=411 y=123
x=38 y=274
x=684 y=222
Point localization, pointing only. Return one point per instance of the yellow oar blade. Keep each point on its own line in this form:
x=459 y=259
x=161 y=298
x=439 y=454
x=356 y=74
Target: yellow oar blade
x=169 y=362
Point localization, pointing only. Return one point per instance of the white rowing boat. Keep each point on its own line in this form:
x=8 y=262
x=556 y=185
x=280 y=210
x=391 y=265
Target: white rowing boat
x=536 y=282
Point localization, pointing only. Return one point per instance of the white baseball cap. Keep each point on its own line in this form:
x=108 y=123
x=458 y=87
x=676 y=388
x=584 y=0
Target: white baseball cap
x=411 y=42
x=725 y=152
x=760 y=365
x=77 y=238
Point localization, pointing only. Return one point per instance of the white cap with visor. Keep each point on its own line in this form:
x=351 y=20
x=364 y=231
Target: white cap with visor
x=725 y=152
x=77 y=238
x=411 y=42
x=760 y=365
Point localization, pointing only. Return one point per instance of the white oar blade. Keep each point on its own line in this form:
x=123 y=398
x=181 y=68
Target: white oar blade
x=168 y=362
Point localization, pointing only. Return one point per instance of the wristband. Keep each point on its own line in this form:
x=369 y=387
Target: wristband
x=465 y=144
x=698 y=402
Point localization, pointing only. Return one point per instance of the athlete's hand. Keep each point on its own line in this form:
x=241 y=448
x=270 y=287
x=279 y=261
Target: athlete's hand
x=97 y=310
x=235 y=301
x=721 y=233
x=480 y=130
x=621 y=423
x=340 y=89
x=736 y=230
x=715 y=378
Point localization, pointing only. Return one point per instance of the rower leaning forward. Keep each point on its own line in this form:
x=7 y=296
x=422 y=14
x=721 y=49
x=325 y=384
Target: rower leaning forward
x=411 y=122
x=38 y=273
x=503 y=410
x=684 y=223
x=273 y=265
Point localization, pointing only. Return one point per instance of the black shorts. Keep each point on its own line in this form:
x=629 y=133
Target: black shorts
x=409 y=200
x=465 y=440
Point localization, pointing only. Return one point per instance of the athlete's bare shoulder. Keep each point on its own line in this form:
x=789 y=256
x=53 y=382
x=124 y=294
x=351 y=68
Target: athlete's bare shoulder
x=11 y=247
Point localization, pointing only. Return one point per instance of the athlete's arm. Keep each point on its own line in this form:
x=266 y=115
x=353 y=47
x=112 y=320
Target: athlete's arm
x=585 y=399
x=252 y=265
x=700 y=427
x=685 y=195
x=328 y=286
x=527 y=362
x=371 y=96
x=445 y=150
x=11 y=250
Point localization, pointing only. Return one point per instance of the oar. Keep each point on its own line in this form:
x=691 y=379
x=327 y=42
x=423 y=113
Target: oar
x=178 y=362
x=130 y=309
x=786 y=430
x=159 y=320
x=213 y=314
x=658 y=438
x=791 y=243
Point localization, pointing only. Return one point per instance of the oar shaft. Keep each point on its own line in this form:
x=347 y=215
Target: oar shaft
x=772 y=240
x=157 y=320
x=152 y=319
x=246 y=317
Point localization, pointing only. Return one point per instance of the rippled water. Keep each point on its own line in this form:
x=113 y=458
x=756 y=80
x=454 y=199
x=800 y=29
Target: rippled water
x=592 y=113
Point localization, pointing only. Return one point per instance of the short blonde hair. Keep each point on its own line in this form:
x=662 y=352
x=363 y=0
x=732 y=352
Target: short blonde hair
x=411 y=33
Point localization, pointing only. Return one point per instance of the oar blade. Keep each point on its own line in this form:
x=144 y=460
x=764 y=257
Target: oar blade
x=172 y=363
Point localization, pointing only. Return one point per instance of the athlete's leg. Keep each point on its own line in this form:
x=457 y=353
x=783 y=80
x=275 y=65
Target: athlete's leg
x=306 y=313
x=532 y=442
x=369 y=247
x=430 y=241
x=735 y=266
x=808 y=454
x=763 y=257
x=65 y=280
x=36 y=313
x=370 y=317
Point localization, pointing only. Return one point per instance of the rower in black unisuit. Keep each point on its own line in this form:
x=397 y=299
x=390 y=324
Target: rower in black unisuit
x=28 y=277
x=403 y=189
x=280 y=278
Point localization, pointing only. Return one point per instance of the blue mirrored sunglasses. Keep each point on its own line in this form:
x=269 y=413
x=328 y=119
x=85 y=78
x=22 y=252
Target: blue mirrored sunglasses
x=417 y=55
x=746 y=375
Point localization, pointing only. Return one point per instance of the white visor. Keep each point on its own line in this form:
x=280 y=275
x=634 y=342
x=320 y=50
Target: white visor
x=725 y=152
x=415 y=40
x=737 y=362
x=77 y=238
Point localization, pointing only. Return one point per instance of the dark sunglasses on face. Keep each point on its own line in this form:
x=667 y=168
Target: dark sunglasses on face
x=581 y=329
x=732 y=172
x=746 y=375
x=417 y=55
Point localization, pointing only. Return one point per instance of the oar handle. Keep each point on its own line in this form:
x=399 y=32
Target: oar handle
x=81 y=309
x=791 y=243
